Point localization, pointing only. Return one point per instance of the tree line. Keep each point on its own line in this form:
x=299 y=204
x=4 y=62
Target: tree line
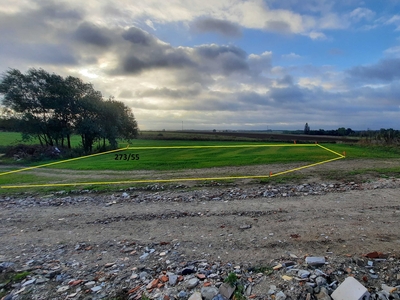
x=52 y=108
x=382 y=136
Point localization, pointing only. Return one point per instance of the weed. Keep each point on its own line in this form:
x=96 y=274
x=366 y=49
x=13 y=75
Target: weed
x=20 y=276
x=267 y=270
x=7 y=279
x=231 y=279
x=144 y=297
x=239 y=293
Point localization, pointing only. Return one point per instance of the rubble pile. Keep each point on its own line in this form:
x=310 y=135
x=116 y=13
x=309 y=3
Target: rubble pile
x=160 y=272
x=129 y=269
x=182 y=193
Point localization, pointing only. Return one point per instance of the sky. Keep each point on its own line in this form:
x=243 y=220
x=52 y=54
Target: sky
x=220 y=64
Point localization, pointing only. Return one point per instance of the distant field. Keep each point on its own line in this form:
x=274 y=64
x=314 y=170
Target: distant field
x=15 y=138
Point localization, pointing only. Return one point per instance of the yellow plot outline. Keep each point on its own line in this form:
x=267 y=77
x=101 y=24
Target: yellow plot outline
x=339 y=156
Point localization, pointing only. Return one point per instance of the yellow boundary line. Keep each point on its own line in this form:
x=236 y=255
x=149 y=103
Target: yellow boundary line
x=327 y=149
x=226 y=146
x=340 y=156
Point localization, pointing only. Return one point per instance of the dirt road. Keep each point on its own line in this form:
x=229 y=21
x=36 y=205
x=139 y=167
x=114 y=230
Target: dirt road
x=220 y=222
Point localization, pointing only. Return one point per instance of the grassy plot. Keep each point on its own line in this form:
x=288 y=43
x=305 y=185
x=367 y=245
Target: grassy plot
x=359 y=151
x=117 y=166
x=175 y=159
x=166 y=158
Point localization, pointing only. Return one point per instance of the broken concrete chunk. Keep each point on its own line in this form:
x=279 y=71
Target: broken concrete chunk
x=226 y=290
x=350 y=289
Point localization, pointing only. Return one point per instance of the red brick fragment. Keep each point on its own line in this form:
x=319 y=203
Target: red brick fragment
x=134 y=290
x=206 y=284
x=201 y=276
x=153 y=284
x=372 y=255
x=75 y=282
x=164 y=278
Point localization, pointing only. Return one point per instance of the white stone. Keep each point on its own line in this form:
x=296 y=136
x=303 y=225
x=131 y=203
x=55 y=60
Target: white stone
x=350 y=289
x=63 y=289
x=195 y=296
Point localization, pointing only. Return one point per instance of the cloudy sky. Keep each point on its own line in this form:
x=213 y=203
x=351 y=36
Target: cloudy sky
x=223 y=64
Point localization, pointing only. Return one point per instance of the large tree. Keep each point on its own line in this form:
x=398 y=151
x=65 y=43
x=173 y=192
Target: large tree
x=52 y=108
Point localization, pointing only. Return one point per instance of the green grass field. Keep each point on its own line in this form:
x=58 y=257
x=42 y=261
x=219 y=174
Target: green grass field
x=178 y=156
x=166 y=158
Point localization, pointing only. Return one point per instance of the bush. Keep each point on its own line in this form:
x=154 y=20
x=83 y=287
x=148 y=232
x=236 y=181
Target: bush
x=32 y=152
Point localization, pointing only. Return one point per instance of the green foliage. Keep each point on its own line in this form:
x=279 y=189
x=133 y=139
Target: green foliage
x=51 y=108
x=239 y=292
x=144 y=297
x=267 y=270
x=7 y=279
x=231 y=279
x=20 y=276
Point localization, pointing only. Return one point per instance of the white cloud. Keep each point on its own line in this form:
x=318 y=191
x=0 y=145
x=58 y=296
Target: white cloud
x=362 y=13
x=393 y=51
x=150 y=24
x=317 y=35
x=291 y=56
x=395 y=20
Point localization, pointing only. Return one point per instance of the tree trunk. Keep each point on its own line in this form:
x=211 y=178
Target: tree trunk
x=40 y=140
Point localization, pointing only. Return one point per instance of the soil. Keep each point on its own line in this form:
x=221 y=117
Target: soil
x=237 y=229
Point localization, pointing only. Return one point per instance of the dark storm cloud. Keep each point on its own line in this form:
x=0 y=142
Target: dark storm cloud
x=384 y=70
x=222 y=27
x=37 y=35
x=229 y=59
x=292 y=94
x=50 y=54
x=286 y=80
x=58 y=11
x=139 y=51
x=277 y=26
x=252 y=98
x=170 y=93
x=91 y=34
x=138 y=36
x=158 y=59
x=38 y=23
x=213 y=51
